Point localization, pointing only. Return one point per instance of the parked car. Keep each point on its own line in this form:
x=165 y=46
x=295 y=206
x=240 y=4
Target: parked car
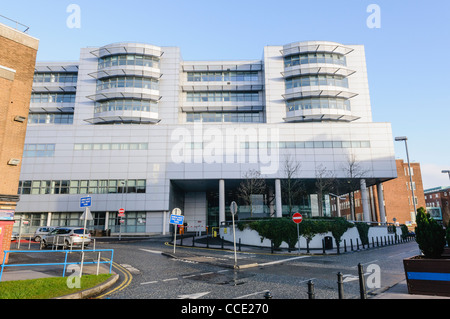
x=67 y=237
x=14 y=236
x=41 y=231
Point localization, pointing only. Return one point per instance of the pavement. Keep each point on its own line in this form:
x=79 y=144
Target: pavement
x=183 y=252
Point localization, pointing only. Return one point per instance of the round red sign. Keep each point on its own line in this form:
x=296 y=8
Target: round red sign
x=297 y=218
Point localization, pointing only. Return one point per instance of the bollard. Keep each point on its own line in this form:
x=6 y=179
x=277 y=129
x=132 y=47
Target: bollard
x=311 y=293
x=378 y=245
x=362 y=283
x=351 y=243
x=181 y=240
x=207 y=241
x=267 y=295
x=340 y=283
x=345 y=245
x=239 y=244
x=193 y=240
x=357 y=244
x=222 y=242
x=373 y=243
x=323 y=246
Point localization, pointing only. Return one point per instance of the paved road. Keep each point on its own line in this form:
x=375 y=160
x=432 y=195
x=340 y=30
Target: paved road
x=148 y=273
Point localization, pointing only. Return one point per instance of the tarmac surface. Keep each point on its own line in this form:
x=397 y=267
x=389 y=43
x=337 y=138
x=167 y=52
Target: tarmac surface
x=397 y=291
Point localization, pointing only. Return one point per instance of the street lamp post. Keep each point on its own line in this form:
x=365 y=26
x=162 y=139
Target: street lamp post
x=446 y=172
x=404 y=138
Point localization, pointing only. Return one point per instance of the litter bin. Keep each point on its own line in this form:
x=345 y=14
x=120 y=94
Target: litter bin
x=328 y=242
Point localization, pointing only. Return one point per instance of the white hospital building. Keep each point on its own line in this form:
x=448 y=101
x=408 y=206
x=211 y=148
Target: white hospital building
x=135 y=126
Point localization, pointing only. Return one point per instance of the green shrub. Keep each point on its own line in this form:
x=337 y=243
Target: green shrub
x=404 y=230
x=363 y=231
x=429 y=235
x=280 y=230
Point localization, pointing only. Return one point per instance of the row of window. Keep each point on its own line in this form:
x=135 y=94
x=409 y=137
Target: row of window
x=293 y=145
x=128 y=59
x=318 y=103
x=247 y=117
x=128 y=82
x=126 y=105
x=39 y=150
x=309 y=80
x=110 y=146
x=55 y=77
x=306 y=58
x=82 y=187
x=53 y=98
x=309 y=144
x=222 y=96
x=222 y=76
x=50 y=118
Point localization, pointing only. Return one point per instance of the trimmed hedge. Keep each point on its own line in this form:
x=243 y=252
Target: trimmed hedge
x=280 y=230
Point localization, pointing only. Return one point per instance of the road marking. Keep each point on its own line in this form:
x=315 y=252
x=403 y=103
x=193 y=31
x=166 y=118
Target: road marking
x=152 y=251
x=194 y=296
x=206 y=273
x=125 y=282
x=255 y=293
x=170 y=279
x=283 y=260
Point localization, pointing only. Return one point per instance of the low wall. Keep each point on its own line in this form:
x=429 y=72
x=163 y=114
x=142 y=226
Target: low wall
x=251 y=237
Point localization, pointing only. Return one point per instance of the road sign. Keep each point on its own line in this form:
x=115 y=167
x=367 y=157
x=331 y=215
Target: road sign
x=233 y=208
x=297 y=218
x=121 y=212
x=176 y=219
x=85 y=202
x=176 y=211
x=87 y=215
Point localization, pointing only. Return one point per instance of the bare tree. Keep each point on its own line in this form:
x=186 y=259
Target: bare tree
x=354 y=172
x=251 y=185
x=324 y=183
x=291 y=185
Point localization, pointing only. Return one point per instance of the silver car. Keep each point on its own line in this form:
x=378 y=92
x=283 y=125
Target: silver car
x=67 y=237
x=41 y=231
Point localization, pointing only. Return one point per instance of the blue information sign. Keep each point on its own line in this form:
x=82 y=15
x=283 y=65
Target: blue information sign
x=176 y=219
x=85 y=202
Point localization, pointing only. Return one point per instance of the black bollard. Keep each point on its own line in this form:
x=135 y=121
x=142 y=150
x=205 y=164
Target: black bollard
x=239 y=244
x=181 y=240
x=268 y=295
x=340 y=283
x=207 y=241
x=351 y=244
x=345 y=246
x=193 y=240
x=323 y=246
x=357 y=244
x=311 y=293
x=222 y=242
x=362 y=282
x=373 y=243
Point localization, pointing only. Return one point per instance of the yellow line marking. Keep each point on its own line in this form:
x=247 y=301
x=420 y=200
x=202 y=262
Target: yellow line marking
x=125 y=283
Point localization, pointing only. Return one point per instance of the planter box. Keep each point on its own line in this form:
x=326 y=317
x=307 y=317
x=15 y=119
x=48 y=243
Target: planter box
x=428 y=276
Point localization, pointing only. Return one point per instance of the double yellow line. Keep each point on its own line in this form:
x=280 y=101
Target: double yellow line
x=125 y=283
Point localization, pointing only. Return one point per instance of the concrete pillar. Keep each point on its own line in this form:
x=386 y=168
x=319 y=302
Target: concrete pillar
x=278 y=203
x=381 y=203
x=221 y=201
x=365 y=201
x=106 y=220
x=49 y=219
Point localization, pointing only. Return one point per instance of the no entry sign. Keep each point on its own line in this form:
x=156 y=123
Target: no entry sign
x=297 y=218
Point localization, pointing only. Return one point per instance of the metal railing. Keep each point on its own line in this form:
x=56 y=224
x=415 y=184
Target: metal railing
x=65 y=263
x=16 y=24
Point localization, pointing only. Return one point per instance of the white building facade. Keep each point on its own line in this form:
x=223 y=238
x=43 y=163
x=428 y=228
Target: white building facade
x=135 y=126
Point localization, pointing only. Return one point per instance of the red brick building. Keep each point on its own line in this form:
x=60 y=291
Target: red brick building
x=18 y=53
x=438 y=200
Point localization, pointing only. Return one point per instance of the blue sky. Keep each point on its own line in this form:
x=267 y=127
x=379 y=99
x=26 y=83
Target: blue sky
x=408 y=58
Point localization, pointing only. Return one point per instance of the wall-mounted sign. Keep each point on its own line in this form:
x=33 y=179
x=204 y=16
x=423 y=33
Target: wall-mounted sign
x=6 y=214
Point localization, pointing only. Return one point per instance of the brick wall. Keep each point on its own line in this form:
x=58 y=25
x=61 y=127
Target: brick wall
x=5 y=238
